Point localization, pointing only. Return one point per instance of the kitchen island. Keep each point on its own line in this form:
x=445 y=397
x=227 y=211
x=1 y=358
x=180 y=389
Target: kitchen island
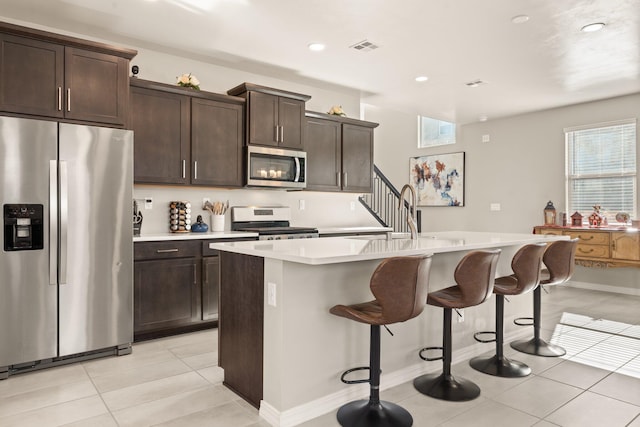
x=283 y=352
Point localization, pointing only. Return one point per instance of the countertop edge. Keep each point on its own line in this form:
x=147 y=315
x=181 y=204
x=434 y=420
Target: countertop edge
x=157 y=237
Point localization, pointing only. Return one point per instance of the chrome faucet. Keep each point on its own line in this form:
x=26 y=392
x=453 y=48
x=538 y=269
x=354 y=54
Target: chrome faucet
x=411 y=215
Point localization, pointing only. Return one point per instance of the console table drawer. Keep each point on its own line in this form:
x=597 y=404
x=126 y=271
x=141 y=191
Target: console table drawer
x=592 y=251
x=591 y=238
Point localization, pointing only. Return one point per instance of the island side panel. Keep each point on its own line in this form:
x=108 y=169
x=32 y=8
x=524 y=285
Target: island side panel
x=240 y=338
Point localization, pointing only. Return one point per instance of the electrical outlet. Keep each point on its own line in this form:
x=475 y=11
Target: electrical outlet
x=301 y=204
x=353 y=206
x=460 y=315
x=495 y=207
x=486 y=138
x=271 y=294
x=148 y=203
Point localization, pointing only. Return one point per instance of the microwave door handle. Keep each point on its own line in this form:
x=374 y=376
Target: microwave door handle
x=53 y=222
x=297 y=177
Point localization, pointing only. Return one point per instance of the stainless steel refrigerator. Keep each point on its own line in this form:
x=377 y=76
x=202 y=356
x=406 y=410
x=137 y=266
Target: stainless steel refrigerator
x=66 y=268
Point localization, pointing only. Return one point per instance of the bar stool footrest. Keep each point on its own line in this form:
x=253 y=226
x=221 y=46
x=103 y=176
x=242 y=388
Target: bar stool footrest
x=523 y=321
x=477 y=336
x=348 y=371
x=430 y=359
x=367 y=413
x=538 y=347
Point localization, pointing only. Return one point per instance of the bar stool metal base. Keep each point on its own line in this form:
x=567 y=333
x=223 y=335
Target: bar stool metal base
x=500 y=367
x=538 y=347
x=365 y=413
x=446 y=387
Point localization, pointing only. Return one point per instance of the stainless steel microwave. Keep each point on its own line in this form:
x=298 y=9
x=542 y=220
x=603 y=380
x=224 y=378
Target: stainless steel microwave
x=276 y=167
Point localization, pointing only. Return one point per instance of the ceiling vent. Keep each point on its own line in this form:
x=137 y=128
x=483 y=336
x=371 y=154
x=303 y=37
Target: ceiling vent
x=475 y=83
x=364 y=46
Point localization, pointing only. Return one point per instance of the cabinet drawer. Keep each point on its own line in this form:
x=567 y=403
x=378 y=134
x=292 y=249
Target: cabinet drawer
x=545 y=231
x=592 y=238
x=166 y=249
x=592 y=251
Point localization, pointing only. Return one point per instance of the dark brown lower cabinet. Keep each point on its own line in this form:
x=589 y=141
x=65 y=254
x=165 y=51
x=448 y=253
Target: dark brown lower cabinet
x=176 y=287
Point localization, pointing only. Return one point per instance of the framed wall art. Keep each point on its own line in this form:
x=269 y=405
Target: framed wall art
x=438 y=179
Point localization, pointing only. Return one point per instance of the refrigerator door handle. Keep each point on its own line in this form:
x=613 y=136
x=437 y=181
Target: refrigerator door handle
x=53 y=222
x=64 y=220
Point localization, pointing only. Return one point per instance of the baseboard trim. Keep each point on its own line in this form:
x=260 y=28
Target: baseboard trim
x=603 y=288
x=315 y=408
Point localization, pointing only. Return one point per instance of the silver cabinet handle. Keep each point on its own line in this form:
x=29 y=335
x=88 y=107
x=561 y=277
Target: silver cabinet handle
x=339 y=178
x=164 y=251
x=59 y=98
x=195 y=169
x=184 y=169
x=345 y=180
x=53 y=222
x=281 y=133
x=68 y=99
x=277 y=133
x=64 y=220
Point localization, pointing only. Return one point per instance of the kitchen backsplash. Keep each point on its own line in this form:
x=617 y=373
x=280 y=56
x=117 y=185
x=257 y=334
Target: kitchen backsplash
x=318 y=209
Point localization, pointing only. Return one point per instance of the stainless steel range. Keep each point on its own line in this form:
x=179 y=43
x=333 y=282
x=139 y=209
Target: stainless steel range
x=270 y=222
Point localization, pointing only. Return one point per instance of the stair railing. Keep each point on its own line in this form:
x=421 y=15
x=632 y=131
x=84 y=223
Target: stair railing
x=383 y=201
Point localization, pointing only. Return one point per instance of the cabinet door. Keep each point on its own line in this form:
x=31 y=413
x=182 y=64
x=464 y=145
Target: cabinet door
x=291 y=121
x=322 y=144
x=262 y=119
x=210 y=287
x=357 y=158
x=31 y=76
x=166 y=293
x=96 y=86
x=160 y=122
x=216 y=143
x=625 y=246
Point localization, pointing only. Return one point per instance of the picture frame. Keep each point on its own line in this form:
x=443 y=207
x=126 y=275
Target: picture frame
x=438 y=179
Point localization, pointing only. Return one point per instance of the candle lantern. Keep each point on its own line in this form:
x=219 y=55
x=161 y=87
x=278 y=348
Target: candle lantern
x=549 y=214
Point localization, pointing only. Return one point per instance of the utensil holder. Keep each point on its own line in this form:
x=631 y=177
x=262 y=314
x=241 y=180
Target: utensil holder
x=217 y=222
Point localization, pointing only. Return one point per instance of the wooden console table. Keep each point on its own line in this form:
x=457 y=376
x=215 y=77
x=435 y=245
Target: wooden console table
x=601 y=247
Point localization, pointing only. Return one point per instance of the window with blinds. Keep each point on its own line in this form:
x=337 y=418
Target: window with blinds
x=601 y=169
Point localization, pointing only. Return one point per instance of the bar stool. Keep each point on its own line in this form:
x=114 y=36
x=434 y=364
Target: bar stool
x=526 y=268
x=474 y=276
x=400 y=286
x=560 y=259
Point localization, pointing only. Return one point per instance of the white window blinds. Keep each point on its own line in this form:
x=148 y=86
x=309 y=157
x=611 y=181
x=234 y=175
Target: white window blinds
x=601 y=169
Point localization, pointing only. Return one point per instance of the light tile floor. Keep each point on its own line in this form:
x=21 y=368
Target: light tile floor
x=175 y=381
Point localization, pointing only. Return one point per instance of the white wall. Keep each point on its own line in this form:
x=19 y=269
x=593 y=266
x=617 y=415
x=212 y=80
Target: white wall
x=522 y=167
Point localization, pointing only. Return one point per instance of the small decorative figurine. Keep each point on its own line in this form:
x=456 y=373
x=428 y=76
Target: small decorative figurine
x=596 y=219
x=576 y=219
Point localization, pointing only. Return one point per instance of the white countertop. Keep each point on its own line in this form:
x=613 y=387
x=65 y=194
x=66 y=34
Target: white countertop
x=352 y=230
x=192 y=236
x=331 y=250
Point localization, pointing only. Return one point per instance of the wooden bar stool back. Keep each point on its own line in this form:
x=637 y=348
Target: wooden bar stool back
x=400 y=286
x=474 y=277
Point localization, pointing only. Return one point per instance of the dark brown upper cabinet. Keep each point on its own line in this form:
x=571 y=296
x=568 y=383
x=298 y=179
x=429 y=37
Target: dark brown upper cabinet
x=339 y=153
x=52 y=76
x=184 y=136
x=274 y=117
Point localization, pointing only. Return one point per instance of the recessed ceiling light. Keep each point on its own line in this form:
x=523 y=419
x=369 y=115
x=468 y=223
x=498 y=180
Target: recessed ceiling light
x=483 y=118
x=596 y=26
x=316 y=47
x=520 y=19
x=422 y=78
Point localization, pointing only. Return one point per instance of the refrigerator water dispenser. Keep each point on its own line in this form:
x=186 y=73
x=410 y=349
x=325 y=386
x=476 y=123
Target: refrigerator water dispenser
x=23 y=227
